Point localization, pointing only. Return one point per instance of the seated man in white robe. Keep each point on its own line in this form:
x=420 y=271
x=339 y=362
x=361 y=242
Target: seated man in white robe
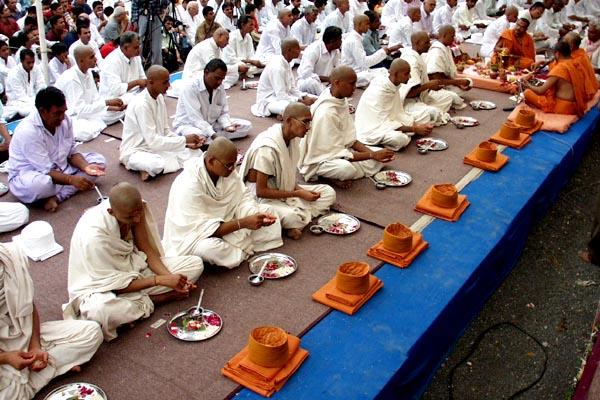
x=148 y=145
x=240 y=50
x=270 y=39
x=203 y=109
x=89 y=112
x=122 y=74
x=443 y=15
x=340 y=17
x=34 y=352
x=117 y=267
x=85 y=36
x=23 y=82
x=425 y=94
x=380 y=116
x=269 y=170
x=465 y=18
x=305 y=29
x=212 y=214
x=207 y=50
x=277 y=85
x=331 y=150
x=59 y=63
x=494 y=30
x=440 y=62
x=393 y=10
x=592 y=47
x=318 y=60
x=354 y=55
x=401 y=31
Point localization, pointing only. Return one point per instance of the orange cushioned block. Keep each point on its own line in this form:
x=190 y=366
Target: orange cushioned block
x=496 y=165
x=523 y=140
x=344 y=302
x=401 y=260
x=426 y=206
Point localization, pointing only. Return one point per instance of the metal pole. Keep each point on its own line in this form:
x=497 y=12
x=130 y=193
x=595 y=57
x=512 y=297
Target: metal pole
x=42 y=37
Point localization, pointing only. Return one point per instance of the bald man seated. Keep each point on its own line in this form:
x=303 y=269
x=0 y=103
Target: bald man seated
x=148 y=144
x=89 y=112
x=273 y=35
x=269 y=170
x=380 y=116
x=330 y=150
x=579 y=56
x=117 y=267
x=277 y=85
x=212 y=214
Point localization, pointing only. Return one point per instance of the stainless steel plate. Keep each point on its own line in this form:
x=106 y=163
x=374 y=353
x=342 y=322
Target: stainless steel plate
x=339 y=224
x=393 y=178
x=466 y=121
x=183 y=327
x=430 y=143
x=278 y=265
x=482 y=105
x=78 y=390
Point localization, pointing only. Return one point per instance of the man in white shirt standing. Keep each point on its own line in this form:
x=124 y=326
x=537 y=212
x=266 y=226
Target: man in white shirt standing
x=318 y=60
x=340 y=17
x=202 y=108
x=148 y=144
x=270 y=40
x=494 y=30
x=277 y=84
x=305 y=29
x=240 y=50
x=122 y=74
x=88 y=111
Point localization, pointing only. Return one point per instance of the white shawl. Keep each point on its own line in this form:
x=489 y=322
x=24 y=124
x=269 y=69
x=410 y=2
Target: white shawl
x=439 y=60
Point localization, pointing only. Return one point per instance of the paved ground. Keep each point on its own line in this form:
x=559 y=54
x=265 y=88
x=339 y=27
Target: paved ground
x=551 y=294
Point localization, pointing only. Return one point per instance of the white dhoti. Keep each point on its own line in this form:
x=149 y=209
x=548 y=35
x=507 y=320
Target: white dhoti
x=164 y=162
x=243 y=129
x=312 y=85
x=12 y=216
x=343 y=170
x=365 y=77
x=429 y=113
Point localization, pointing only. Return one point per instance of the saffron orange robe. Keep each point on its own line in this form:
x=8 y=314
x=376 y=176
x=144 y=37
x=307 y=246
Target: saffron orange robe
x=524 y=49
x=571 y=71
x=591 y=83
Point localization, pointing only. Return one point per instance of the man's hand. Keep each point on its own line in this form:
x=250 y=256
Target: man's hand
x=392 y=49
x=94 y=170
x=177 y=282
x=41 y=359
x=464 y=84
x=307 y=195
x=308 y=100
x=242 y=69
x=257 y=221
x=141 y=83
x=481 y=26
x=384 y=155
x=232 y=128
x=114 y=102
x=422 y=130
x=18 y=359
x=4 y=146
x=194 y=141
x=463 y=27
x=434 y=84
x=81 y=182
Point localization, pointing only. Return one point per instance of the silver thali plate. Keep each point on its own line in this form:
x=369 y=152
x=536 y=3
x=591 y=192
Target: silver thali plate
x=278 y=265
x=433 y=144
x=466 y=121
x=78 y=390
x=393 y=178
x=184 y=327
x=339 y=224
x=482 y=105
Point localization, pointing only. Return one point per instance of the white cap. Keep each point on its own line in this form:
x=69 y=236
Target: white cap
x=37 y=241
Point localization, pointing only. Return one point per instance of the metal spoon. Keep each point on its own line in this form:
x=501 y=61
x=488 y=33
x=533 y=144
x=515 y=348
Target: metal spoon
x=425 y=149
x=378 y=185
x=101 y=197
x=198 y=311
x=257 y=279
x=457 y=124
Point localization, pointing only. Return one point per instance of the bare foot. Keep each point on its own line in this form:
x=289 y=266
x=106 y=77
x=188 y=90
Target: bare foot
x=168 y=297
x=279 y=117
x=76 y=368
x=585 y=255
x=144 y=175
x=340 y=184
x=51 y=204
x=294 y=233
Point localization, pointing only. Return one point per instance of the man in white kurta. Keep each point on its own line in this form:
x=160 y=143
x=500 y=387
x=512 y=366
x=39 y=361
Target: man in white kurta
x=354 y=55
x=240 y=49
x=443 y=15
x=401 y=31
x=465 y=19
x=148 y=144
x=494 y=30
x=426 y=22
x=191 y=19
x=122 y=74
x=380 y=116
x=33 y=352
x=85 y=37
x=269 y=170
x=425 y=94
x=304 y=30
x=340 y=17
x=22 y=84
x=393 y=10
x=212 y=214
x=331 y=150
x=203 y=109
x=277 y=85
x=89 y=112
x=270 y=39
x=117 y=267
x=318 y=60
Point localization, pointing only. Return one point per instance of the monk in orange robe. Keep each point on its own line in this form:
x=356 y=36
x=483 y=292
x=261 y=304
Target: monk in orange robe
x=564 y=90
x=579 y=55
x=517 y=44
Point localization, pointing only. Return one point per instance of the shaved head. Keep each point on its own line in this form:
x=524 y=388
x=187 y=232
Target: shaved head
x=124 y=197
x=288 y=44
x=157 y=72
x=296 y=110
x=342 y=73
x=221 y=148
x=413 y=11
x=446 y=29
x=284 y=13
x=420 y=42
x=82 y=52
x=573 y=39
x=399 y=65
x=360 y=18
x=399 y=72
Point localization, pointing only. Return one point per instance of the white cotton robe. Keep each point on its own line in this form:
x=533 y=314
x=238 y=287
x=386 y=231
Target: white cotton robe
x=200 y=55
x=354 y=56
x=68 y=343
x=269 y=154
x=196 y=209
x=100 y=262
x=240 y=49
x=148 y=143
x=316 y=61
x=326 y=149
x=116 y=73
x=21 y=89
x=439 y=59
